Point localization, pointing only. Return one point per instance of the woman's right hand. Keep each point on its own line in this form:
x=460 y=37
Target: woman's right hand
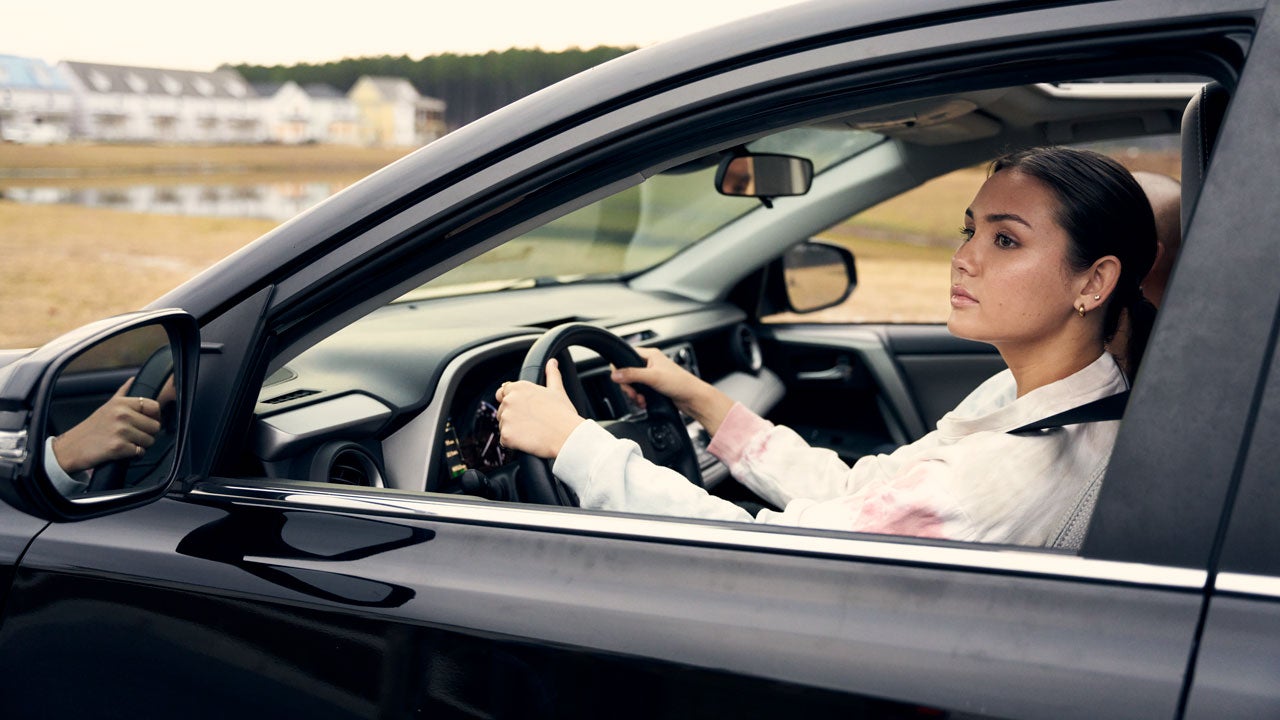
x=123 y=427
x=691 y=394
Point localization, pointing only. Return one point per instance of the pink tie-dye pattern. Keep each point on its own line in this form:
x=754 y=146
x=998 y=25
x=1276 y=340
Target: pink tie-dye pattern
x=898 y=507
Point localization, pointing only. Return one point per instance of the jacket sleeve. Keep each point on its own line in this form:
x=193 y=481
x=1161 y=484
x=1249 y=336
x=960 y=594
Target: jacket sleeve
x=778 y=465
x=609 y=473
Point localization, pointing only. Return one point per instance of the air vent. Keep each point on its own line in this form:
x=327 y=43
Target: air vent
x=290 y=396
x=639 y=337
x=351 y=468
x=345 y=464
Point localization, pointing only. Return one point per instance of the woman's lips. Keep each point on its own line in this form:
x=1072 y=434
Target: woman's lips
x=961 y=297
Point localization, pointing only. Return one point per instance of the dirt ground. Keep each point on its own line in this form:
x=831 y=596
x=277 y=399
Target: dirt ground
x=64 y=265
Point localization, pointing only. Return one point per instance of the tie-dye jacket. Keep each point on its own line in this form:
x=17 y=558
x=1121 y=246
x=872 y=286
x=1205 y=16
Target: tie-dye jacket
x=967 y=480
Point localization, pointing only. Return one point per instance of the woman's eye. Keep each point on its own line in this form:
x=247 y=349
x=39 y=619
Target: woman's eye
x=1004 y=241
x=966 y=233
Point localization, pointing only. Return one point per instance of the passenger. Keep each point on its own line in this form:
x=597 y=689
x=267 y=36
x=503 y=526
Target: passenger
x=1165 y=195
x=1055 y=245
x=120 y=429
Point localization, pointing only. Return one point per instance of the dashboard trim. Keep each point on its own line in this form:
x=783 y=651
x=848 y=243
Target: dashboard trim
x=278 y=435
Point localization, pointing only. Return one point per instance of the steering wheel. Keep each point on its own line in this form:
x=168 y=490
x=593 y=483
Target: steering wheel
x=147 y=383
x=660 y=431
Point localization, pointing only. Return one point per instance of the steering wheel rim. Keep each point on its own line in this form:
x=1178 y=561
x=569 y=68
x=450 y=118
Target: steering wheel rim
x=147 y=383
x=660 y=432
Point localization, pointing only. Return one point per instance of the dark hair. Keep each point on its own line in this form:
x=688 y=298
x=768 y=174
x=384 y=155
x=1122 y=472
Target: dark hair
x=1104 y=212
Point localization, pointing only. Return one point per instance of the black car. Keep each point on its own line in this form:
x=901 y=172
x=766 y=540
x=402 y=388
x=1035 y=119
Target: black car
x=328 y=527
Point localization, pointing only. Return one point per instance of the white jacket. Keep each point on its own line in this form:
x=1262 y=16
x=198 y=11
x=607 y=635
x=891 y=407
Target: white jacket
x=967 y=480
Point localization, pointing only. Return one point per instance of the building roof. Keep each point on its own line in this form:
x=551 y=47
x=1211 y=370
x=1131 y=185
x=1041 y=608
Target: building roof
x=266 y=89
x=323 y=90
x=391 y=88
x=123 y=79
x=30 y=73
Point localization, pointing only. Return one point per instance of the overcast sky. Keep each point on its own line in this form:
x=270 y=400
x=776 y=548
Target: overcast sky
x=174 y=34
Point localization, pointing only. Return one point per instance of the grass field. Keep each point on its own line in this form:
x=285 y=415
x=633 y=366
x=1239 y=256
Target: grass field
x=66 y=265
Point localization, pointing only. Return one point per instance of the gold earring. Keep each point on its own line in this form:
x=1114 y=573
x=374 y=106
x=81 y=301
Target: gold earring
x=1080 y=309
x=1097 y=297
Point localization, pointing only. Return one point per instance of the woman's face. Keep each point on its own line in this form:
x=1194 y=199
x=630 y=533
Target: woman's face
x=1010 y=281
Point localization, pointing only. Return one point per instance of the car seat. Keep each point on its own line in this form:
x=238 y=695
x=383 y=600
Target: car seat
x=1200 y=123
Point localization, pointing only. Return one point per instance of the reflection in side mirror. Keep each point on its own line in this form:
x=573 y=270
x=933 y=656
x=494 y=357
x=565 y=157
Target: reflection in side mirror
x=818 y=275
x=764 y=176
x=110 y=419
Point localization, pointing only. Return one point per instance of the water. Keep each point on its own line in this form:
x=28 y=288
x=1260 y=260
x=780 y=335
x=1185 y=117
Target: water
x=277 y=201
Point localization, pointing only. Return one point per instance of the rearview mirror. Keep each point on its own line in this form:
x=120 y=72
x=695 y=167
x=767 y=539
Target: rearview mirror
x=764 y=176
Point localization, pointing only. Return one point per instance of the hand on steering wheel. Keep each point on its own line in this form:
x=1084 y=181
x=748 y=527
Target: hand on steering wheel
x=659 y=431
x=537 y=419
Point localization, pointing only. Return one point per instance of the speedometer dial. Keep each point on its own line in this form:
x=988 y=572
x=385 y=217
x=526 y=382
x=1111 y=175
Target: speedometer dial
x=479 y=437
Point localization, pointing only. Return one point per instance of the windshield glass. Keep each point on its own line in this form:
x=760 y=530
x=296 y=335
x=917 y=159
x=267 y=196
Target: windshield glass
x=639 y=227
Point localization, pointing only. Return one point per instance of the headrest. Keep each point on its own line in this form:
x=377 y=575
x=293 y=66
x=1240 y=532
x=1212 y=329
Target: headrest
x=1200 y=123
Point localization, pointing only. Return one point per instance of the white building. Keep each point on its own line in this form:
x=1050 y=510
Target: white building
x=36 y=101
x=116 y=103
x=392 y=112
x=315 y=112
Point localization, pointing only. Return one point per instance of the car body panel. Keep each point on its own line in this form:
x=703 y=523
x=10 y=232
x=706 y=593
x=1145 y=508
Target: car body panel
x=250 y=562
x=250 y=594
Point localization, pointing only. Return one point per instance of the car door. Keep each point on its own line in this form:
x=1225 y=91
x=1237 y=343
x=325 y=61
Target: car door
x=1237 y=667
x=17 y=530
x=240 y=594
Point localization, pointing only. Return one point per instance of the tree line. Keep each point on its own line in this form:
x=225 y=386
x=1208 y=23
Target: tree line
x=470 y=85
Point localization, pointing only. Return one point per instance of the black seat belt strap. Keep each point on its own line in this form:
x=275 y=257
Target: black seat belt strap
x=1102 y=409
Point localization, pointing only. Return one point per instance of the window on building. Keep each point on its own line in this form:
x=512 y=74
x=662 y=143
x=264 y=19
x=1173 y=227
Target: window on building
x=171 y=85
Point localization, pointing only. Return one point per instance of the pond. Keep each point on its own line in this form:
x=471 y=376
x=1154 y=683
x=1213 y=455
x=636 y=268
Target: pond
x=279 y=201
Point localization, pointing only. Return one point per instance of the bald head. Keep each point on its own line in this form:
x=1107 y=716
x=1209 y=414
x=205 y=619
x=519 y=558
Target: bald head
x=1165 y=195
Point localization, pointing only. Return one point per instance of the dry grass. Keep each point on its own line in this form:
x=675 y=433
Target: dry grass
x=74 y=160
x=65 y=266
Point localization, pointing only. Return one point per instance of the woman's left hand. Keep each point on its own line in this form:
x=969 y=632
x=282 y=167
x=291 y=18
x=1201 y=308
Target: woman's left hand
x=536 y=419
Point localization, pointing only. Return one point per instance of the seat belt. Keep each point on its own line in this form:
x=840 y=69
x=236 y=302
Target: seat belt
x=1100 y=410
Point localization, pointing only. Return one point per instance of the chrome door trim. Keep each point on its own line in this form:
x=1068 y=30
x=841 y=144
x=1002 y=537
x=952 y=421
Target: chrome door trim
x=994 y=559
x=1245 y=584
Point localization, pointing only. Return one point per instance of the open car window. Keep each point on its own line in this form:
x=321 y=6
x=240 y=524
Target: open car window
x=405 y=397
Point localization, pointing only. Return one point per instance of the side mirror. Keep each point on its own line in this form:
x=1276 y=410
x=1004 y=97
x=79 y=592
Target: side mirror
x=817 y=275
x=101 y=416
x=764 y=176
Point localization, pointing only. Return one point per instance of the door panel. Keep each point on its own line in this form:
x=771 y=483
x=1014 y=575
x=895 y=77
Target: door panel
x=881 y=385
x=1237 y=671
x=939 y=368
x=340 y=603
x=16 y=531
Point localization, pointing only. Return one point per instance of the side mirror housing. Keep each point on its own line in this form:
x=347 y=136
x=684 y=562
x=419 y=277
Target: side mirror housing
x=811 y=276
x=82 y=389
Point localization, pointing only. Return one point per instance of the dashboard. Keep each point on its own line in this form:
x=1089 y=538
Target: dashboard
x=404 y=398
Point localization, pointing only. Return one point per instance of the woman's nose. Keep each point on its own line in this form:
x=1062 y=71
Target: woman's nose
x=963 y=260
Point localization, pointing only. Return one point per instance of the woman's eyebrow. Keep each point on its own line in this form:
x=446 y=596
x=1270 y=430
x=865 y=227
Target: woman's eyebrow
x=997 y=217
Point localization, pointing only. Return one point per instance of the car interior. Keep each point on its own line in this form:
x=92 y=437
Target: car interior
x=402 y=399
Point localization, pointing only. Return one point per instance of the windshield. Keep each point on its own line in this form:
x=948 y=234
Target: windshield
x=637 y=228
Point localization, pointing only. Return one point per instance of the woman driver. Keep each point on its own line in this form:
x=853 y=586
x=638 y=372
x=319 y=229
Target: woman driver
x=1055 y=244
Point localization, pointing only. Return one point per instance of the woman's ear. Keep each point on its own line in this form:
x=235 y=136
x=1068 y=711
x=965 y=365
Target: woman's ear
x=1100 y=282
